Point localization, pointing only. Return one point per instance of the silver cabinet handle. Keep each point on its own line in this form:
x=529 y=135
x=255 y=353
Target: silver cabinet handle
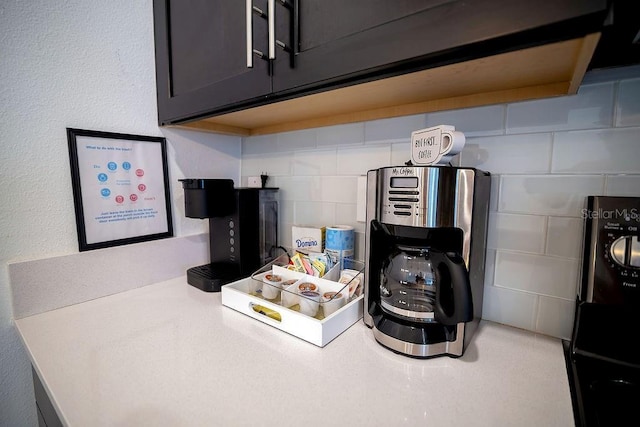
x=250 y=10
x=271 y=12
x=249 y=23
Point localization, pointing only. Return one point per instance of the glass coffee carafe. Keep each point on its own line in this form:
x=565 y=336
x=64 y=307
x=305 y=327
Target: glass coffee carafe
x=425 y=285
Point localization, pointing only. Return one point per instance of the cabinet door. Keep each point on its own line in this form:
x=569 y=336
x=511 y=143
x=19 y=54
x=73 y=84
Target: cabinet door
x=201 y=57
x=349 y=41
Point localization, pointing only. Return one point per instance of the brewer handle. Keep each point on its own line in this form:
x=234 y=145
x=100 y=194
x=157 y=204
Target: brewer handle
x=451 y=271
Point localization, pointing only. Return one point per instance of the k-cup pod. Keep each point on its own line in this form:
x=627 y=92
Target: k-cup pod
x=331 y=302
x=271 y=286
x=307 y=287
x=309 y=303
x=288 y=283
x=289 y=293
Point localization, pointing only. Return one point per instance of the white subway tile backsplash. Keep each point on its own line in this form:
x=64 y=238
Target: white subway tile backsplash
x=561 y=195
x=591 y=108
x=259 y=144
x=274 y=164
x=600 y=151
x=314 y=213
x=509 y=307
x=297 y=140
x=490 y=267
x=628 y=105
x=555 y=317
x=285 y=235
x=400 y=153
x=340 y=189
x=622 y=185
x=285 y=211
x=346 y=215
x=543 y=275
x=480 y=121
x=357 y=161
x=393 y=130
x=495 y=192
x=512 y=154
x=564 y=237
x=517 y=232
x=349 y=134
x=299 y=188
x=317 y=162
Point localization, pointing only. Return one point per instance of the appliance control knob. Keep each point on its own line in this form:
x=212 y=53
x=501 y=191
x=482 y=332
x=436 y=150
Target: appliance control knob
x=618 y=249
x=634 y=252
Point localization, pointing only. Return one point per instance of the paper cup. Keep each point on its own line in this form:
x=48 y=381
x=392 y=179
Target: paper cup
x=289 y=293
x=309 y=303
x=271 y=286
x=331 y=302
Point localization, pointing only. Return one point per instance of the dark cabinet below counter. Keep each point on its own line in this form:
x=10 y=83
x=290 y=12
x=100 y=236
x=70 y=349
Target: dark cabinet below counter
x=262 y=66
x=47 y=415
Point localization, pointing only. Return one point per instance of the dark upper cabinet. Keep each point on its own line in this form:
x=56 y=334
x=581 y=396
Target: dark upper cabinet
x=201 y=60
x=316 y=45
x=359 y=39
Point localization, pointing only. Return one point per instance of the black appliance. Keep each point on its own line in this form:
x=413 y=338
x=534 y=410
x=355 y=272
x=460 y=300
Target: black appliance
x=243 y=229
x=425 y=257
x=603 y=360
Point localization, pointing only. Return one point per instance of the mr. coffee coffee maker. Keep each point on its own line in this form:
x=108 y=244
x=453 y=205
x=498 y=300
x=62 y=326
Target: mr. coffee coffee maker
x=243 y=229
x=425 y=256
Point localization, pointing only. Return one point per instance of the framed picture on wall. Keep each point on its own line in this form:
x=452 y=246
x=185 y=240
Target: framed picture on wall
x=120 y=188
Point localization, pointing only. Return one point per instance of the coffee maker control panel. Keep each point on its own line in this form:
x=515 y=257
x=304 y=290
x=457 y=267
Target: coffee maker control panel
x=415 y=196
x=611 y=272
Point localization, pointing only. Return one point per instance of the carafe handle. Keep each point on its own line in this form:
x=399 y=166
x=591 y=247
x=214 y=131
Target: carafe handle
x=450 y=267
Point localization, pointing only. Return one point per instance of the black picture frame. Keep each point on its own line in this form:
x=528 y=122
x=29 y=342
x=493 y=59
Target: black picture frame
x=120 y=188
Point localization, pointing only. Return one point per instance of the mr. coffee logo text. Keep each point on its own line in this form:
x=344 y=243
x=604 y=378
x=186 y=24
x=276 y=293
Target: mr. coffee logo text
x=403 y=171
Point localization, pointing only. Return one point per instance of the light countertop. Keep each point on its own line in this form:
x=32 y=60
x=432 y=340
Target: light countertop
x=170 y=354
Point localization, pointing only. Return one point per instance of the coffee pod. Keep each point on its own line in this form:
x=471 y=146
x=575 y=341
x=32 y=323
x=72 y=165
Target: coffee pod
x=271 y=286
x=288 y=283
x=289 y=293
x=309 y=303
x=307 y=287
x=331 y=302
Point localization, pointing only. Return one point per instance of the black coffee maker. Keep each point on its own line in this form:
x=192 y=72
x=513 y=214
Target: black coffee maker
x=425 y=255
x=603 y=356
x=243 y=229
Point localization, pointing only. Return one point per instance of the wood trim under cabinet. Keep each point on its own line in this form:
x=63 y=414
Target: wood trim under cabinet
x=555 y=69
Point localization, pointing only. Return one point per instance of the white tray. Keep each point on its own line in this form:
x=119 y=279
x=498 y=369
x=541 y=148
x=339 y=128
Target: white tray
x=244 y=296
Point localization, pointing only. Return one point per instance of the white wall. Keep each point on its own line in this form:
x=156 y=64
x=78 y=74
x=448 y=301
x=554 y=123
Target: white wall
x=545 y=157
x=87 y=64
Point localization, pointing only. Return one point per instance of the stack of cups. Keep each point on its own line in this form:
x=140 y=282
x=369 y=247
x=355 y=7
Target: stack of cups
x=339 y=243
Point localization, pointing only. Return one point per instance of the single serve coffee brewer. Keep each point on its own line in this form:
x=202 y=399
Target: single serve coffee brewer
x=425 y=255
x=243 y=229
